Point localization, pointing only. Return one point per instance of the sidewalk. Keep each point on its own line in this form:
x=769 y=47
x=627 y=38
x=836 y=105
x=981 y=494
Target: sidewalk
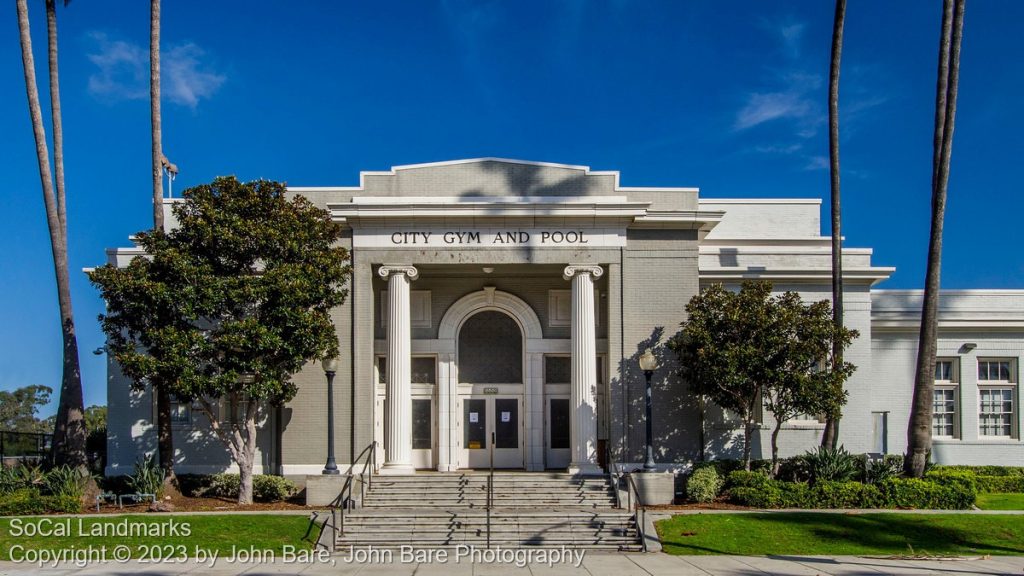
x=594 y=564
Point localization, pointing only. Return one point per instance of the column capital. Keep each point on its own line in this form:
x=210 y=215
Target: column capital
x=388 y=269
x=574 y=269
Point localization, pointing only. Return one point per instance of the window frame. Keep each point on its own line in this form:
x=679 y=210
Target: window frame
x=990 y=385
x=953 y=384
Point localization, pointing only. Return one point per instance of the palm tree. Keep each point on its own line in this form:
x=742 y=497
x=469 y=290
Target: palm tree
x=830 y=437
x=69 y=429
x=165 y=435
x=919 y=430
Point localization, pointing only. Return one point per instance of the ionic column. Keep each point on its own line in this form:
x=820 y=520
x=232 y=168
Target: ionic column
x=398 y=399
x=583 y=416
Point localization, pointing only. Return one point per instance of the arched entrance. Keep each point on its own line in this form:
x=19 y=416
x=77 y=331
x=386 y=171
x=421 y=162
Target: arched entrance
x=490 y=366
x=490 y=383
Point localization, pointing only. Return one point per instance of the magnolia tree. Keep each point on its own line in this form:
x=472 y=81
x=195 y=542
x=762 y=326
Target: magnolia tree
x=226 y=307
x=749 y=348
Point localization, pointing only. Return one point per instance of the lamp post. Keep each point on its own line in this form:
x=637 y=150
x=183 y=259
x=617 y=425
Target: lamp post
x=330 y=366
x=648 y=363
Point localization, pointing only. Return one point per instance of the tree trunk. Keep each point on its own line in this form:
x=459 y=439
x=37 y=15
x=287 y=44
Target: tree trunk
x=154 y=113
x=69 y=430
x=775 y=447
x=248 y=448
x=55 y=115
x=240 y=441
x=919 y=429
x=748 y=433
x=830 y=436
x=165 y=436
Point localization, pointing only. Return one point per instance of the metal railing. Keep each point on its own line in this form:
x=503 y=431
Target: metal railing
x=490 y=492
x=24 y=447
x=633 y=500
x=343 y=501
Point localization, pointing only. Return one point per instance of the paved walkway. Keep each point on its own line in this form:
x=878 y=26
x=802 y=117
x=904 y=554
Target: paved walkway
x=594 y=564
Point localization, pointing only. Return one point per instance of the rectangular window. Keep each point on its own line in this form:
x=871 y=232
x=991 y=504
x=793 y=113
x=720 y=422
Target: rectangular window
x=181 y=413
x=424 y=370
x=474 y=424
x=996 y=412
x=997 y=398
x=945 y=399
x=422 y=437
x=944 y=413
x=506 y=422
x=557 y=370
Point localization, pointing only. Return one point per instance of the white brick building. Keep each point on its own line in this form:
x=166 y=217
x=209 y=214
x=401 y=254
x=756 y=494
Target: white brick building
x=514 y=298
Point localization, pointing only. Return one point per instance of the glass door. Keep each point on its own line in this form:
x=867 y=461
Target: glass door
x=558 y=451
x=487 y=417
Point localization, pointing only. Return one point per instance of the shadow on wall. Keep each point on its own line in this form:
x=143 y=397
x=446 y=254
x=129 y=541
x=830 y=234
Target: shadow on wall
x=685 y=429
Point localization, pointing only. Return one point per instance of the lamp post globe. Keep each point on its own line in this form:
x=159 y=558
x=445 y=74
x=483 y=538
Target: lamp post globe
x=649 y=363
x=330 y=366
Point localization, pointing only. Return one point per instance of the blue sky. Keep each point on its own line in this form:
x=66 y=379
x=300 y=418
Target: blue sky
x=728 y=96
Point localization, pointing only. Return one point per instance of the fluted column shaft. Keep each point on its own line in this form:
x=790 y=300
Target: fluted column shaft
x=583 y=398
x=398 y=400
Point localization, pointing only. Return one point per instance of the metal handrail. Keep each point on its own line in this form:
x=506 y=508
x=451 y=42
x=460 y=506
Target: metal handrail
x=640 y=509
x=490 y=492
x=336 y=520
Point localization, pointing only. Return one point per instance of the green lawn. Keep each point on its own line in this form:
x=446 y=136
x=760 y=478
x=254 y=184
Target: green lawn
x=207 y=532
x=857 y=534
x=1000 y=501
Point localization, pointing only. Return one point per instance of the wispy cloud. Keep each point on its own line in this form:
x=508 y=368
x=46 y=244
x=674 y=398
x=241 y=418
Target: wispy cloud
x=122 y=72
x=793 y=101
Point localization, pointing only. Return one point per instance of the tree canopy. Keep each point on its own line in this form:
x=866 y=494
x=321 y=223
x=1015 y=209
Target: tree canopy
x=747 y=348
x=18 y=409
x=230 y=304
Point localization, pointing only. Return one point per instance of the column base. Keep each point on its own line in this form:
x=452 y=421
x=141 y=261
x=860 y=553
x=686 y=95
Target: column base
x=585 y=469
x=396 y=469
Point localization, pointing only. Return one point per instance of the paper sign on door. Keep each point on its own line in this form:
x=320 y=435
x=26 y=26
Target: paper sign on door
x=506 y=416
x=474 y=417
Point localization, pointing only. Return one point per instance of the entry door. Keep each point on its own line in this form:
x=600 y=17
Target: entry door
x=558 y=452
x=423 y=426
x=485 y=416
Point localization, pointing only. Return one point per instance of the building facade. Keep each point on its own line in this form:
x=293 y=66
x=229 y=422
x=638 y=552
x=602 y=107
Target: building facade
x=510 y=300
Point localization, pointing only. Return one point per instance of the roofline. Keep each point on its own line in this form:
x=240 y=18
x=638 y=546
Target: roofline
x=585 y=169
x=966 y=291
x=816 y=201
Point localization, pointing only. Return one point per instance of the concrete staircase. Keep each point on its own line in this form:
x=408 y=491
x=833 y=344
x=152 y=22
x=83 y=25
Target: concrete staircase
x=431 y=510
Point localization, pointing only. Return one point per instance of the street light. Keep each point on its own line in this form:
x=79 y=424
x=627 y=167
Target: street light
x=330 y=366
x=648 y=363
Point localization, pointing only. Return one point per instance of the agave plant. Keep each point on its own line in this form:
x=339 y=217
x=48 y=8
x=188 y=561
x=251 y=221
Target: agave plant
x=830 y=464
x=890 y=466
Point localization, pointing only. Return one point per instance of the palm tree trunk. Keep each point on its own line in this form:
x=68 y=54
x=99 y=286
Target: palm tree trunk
x=165 y=435
x=154 y=113
x=919 y=438
x=69 y=431
x=830 y=437
x=58 y=125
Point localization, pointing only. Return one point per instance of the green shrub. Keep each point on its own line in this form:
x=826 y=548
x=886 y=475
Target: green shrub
x=269 y=488
x=703 y=485
x=947 y=492
x=960 y=479
x=953 y=494
x=1000 y=484
x=984 y=470
x=223 y=486
x=147 y=478
x=65 y=482
x=22 y=502
x=744 y=479
x=890 y=466
x=14 y=478
x=830 y=465
x=62 y=503
x=265 y=487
